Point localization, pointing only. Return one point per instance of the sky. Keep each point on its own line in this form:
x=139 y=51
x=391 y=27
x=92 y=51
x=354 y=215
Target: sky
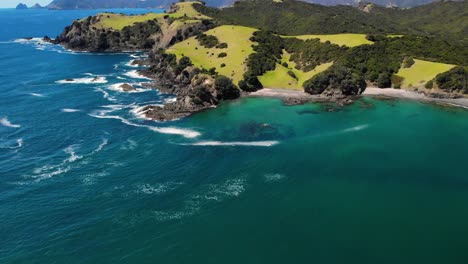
x=14 y=3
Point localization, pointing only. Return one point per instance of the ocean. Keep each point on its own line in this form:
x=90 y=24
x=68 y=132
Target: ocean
x=85 y=179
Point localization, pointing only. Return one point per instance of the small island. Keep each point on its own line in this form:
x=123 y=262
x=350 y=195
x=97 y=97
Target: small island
x=21 y=6
x=206 y=55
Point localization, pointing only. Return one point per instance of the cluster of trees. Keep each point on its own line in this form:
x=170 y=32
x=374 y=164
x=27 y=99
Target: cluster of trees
x=310 y=53
x=455 y=80
x=207 y=41
x=296 y=18
x=341 y=78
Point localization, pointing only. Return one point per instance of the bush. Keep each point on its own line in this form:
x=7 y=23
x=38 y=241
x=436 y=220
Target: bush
x=397 y=81
x=222 y=46
x=207 y=41
x=225 y=89
x=250 y=84
x=336 y=77
x=222 y=55
x=429 y=85
x=285 y=64
x=223 y=65
x=383 y=81
x=408 y=62
x=292 y=74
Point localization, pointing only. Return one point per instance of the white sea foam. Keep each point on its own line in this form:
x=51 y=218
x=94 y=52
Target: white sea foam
x=273 y=177
x=90 y=80
x=135 y=75
x=235 y=143
x=36 y=95
x=356 y=128
x=130 y=64
x=187 y=133
x=117 y=87
x=66 y=165
x=106 y=95
x=19 y=144
x=121 y=78
x=160 y=188
x=70 y=110
x=176 y=131
x=5 y=122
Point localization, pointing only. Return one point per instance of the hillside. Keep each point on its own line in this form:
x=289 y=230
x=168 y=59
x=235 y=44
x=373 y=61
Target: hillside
x=206 y=55
x=96 y=4
x=297 y=18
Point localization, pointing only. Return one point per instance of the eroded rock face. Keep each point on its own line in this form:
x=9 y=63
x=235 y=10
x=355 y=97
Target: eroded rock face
x=195 y=90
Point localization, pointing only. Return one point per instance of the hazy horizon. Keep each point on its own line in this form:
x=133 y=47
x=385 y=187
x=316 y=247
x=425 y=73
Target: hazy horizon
x=14 y=3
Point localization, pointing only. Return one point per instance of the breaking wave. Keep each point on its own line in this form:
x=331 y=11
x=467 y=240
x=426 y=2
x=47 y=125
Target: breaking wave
x=5 y=122
x=49 y=171
x=86 y=80
x=70 y=110
x=19 y=144
x=236 y=143
x=135 y=75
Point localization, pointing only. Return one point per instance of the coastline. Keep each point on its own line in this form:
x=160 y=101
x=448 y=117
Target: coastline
x=287 y=95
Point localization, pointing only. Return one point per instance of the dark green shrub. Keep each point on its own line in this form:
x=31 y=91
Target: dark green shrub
x=225 y=89
x=429 y=84
x=222 y=55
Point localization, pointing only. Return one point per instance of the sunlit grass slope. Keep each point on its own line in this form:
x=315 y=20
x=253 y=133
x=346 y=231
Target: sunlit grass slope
x=239 y=48
x=421 y=72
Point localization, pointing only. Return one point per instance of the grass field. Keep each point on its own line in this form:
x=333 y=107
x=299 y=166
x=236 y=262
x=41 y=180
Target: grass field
x=279 y=78
x=119 y=21
x=350 y=40
x=422 y=72
x=239 y=48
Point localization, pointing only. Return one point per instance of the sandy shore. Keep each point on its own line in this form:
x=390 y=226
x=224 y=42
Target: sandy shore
x=401 y=93
x=370 y=91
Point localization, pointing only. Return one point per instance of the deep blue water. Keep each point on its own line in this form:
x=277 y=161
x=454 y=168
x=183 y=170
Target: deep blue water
x=83 y=179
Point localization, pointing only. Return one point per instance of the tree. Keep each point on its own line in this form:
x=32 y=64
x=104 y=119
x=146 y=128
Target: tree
x=225 y=89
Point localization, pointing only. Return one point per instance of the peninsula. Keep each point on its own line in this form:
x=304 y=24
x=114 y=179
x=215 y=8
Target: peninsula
x=205 y=55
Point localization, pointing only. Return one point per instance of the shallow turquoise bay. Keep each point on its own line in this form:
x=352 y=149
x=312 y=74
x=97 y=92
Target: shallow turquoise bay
x=85 y=180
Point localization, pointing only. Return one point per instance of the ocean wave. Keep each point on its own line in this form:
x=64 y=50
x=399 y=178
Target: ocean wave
x=157 y=189
x=187 y=133
x=130 y=64
x=117 y=87
x=70 y=110
x=106 y=95
x=5 y=122
x=135 y=75
x=49 y=171
x=90 y=80
x=19 y=144
x=273 y=177
x=356 y=128
x=235 y=143
x=36 y=95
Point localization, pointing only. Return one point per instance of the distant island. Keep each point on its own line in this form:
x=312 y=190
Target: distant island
x=103 y=4
x=206 y=55
x=24 y=6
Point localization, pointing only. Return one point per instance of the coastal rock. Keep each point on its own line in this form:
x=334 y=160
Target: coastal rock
x=127 y=87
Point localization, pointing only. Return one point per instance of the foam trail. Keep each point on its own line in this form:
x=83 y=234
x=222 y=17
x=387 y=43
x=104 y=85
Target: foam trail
x=19 y=145
x=5 y=122
x=91 y=80
x=106 y=95
x=356 y=128
x=36 y=95
x=236 y=143
x=176 y=131
x=70 y=110
x=187 y=133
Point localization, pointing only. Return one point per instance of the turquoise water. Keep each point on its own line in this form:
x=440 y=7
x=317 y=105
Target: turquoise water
x=83 y=179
